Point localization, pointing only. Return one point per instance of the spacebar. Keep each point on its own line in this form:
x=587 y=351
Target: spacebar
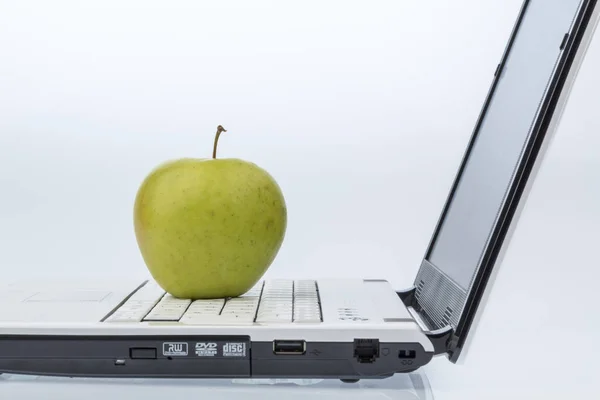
x=223 y=319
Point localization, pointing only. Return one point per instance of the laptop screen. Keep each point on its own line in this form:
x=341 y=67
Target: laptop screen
x=504 y=131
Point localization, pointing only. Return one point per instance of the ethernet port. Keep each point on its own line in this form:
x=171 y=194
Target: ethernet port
x=366 y=350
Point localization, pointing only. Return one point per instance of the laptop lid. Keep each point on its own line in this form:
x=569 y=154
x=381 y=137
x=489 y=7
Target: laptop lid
x=521 y=111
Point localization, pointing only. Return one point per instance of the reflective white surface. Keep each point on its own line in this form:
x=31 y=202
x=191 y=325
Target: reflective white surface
x=404 y=387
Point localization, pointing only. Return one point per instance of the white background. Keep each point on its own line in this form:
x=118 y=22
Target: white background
x=360 y=110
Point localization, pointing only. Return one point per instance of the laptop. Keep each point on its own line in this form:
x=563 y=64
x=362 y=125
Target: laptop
x=346 y=329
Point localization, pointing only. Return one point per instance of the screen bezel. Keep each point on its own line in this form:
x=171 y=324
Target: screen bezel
x=544 y=119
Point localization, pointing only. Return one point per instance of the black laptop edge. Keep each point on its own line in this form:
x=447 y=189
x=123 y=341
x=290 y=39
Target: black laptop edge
x=450 y=338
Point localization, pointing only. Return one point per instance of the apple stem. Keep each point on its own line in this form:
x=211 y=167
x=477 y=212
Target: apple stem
x=219 y=130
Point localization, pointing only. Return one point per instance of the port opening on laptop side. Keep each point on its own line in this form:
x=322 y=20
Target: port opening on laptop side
x=521 y=112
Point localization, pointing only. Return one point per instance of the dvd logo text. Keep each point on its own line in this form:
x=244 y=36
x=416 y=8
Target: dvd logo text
x=206 y=349
x=206 y=346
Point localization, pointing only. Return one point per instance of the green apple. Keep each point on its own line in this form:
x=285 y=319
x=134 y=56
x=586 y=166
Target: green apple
x=209 y=228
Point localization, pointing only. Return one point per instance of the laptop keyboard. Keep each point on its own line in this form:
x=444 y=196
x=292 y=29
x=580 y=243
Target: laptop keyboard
x=271 y=301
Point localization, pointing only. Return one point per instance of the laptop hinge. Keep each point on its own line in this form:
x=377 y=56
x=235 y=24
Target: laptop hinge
x=408 y=296
x=442 y=339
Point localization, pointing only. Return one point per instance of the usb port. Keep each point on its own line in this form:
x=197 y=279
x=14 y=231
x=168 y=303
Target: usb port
x=297 y=347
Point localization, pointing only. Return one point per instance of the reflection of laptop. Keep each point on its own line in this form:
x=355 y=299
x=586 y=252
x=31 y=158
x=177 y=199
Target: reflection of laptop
x=402 y=387
x=347 y=329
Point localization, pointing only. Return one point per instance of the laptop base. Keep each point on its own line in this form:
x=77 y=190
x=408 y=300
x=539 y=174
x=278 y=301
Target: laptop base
x=175 y=356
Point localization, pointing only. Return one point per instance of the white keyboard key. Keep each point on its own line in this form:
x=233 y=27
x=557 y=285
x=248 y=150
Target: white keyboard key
x=208 y=302
x=240 y=307
x=236 y=311
x=306 y=307
x=285 y=286
x=138 y=305
x=276 y=304
x=278 y=310
x=209 y=307
x=306 y=302
x=125 y=314
x=299 y=313
x=169 y=308
x=238 y=318
x=276 y=318
x=308 y=284
x=277 y=314
x=242 y=301
x=215 y=319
